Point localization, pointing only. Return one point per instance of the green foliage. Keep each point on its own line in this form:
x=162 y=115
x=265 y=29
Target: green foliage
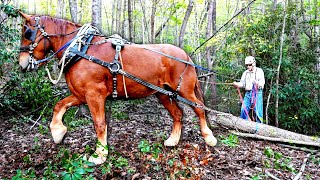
x=24 y=175
x=278 y=161
x=9 y=37
x=258 y=177
x=72 y=121
x=27 y=91
x=155 y=148
x=231 y=140
x=144 y=146
x=76 y=167
x=117 y=110
x=259 y=34
x=9 y=10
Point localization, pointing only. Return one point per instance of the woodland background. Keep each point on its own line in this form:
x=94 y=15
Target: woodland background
x=283 y=35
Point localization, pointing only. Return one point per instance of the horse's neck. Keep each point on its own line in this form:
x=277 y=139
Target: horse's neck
x=63 y=38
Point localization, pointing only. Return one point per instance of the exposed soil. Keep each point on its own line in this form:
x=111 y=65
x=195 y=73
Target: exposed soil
x=23 y=147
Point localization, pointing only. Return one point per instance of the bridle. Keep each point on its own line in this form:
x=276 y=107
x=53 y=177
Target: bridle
x=31 y=35
x=33 y=61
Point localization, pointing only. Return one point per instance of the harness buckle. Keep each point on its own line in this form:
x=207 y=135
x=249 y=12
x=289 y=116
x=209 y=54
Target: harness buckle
x=90 y=58
x=34 y=45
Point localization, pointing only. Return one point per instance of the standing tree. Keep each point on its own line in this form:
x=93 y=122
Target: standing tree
x=60 y=8
x=152 y=20
x=96 y=13
x=279 y=65
x=184 y=23
x=130 y=21
x=73 y=4
x=210 y=50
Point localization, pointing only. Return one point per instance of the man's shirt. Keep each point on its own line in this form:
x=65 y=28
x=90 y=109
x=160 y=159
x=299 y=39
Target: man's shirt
x=248 y=77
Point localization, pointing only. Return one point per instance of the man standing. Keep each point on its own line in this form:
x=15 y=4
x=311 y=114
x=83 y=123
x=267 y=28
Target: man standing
x=253 y=81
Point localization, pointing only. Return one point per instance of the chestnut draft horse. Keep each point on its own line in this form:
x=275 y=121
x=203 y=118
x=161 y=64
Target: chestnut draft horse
x=94 y=76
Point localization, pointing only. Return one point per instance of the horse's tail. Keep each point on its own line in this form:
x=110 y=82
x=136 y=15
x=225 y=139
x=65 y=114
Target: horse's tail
x=198 y=92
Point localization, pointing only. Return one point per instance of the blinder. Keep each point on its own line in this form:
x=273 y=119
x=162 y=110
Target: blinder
x=30 y=34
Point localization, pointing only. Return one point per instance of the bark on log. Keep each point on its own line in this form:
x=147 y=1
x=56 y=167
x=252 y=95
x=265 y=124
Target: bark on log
x=236 y=123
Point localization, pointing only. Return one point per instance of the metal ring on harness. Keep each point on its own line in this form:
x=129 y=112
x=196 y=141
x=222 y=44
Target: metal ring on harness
x=114 y=67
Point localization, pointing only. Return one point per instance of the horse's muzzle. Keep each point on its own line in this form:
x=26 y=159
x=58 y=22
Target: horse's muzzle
x=28 y=64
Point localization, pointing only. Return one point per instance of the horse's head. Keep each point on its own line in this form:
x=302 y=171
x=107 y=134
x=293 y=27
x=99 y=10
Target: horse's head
x=35 y=43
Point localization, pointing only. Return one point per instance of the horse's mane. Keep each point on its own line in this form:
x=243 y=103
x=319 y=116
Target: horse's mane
x=61 y=25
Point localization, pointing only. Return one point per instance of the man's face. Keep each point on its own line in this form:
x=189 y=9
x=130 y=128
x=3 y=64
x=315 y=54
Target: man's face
x=249 y=67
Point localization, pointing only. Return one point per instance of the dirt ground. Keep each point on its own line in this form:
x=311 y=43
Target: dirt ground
x=149 y=121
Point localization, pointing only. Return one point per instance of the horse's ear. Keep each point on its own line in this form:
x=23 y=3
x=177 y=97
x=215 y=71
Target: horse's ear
x=26 y=16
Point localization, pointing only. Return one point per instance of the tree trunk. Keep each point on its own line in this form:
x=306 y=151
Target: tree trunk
x=118 y=16
x=184 y=23
x=274 y=4
x=152 y=20
x=80 y=12
x=130 y=21
x=164 y=24
x=317 y=47
x=114 y=10
x=60 y=9
x=124 y=20
x=73 y=5
x=233 y=122
x=279 y=65
x=96 y=13
x=268 y=102
x=213 y=64
x=144 y=22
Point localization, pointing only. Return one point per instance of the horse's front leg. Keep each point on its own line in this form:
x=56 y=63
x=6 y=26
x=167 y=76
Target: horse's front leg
x=58 y=130
x=96 y=103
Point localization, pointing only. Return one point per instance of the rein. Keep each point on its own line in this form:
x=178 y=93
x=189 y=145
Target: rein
x=180 y=60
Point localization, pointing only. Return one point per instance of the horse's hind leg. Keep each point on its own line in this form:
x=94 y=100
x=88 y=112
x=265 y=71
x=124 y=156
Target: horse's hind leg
x=176 y=114
x=205 y=130
x=58 y=130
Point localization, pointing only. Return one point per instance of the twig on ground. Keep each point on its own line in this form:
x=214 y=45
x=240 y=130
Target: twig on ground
x=302 y=167
x=275 y=139
x=36 y=122
x=24 y=117
x=299 y=148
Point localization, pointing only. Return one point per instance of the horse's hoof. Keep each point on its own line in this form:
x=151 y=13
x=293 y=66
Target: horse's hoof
x=170 y=142
x=58 y=134
x=98 y=160
x=211 y=141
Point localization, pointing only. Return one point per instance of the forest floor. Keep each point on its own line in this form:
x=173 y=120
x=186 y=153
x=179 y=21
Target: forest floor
x=137 y=151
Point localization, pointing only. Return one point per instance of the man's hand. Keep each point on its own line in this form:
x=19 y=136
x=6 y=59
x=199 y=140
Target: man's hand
x=255 y=82
x=236 y=84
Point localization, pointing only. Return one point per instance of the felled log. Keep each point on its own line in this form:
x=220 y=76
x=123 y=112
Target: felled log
x=262 y=131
